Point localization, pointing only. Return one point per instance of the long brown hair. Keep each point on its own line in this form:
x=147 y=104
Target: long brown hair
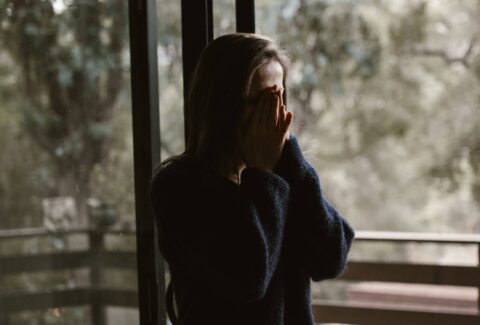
x=218 y=92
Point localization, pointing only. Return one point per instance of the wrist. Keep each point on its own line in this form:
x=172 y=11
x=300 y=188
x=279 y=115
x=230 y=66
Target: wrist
x=292 y=165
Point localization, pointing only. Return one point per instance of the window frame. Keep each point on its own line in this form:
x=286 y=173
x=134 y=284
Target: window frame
x=197 y=32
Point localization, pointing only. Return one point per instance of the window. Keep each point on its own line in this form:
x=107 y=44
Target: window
x=67 y=225
x=223 y=17
x=385 y=95
x=170 y=75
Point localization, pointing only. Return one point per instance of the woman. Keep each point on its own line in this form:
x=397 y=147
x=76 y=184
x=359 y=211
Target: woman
x=242 y=220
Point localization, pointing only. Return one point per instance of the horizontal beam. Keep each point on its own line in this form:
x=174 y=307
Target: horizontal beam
x=417 y=237
x=121 y=260
x=67 y=260
x=38 y=232
x=116 y=297
x=42 y=232
x=380 y=236
x=412 y=273
x=14 y=302
x=355 y=271
x=357 y=313
x=45 y=262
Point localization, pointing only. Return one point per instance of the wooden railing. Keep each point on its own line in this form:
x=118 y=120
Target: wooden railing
x=408 y=273
x=95 y=258
x=97 y=296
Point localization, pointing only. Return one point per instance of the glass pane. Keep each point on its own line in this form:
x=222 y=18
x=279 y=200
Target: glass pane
x=67 y=225
x=170 y=75
x=385 y=95
x=223 y=17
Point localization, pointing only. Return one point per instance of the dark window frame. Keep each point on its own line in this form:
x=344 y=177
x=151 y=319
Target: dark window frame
x=197 y=32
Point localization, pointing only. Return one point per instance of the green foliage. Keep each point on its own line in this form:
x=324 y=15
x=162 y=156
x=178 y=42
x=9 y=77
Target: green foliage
x=410 y=27
x=375 y=102
x=71 y=63
x=170 y=74
x=385 y=95
x=377 y=89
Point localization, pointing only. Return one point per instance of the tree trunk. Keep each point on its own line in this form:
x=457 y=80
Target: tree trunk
x=71 y=186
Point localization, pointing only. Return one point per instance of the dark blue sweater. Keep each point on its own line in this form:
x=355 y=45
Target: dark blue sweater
x=245 y=254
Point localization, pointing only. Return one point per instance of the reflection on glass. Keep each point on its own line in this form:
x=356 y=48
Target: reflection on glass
x=67 y=176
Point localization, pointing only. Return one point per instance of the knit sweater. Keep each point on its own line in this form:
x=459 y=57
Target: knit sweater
x=245 y=254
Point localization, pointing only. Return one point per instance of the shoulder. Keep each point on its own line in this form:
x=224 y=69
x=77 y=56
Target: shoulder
x=184 y=179
x=184 y=172
x=174 y=172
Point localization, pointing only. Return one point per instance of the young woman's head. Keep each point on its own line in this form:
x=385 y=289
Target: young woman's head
x=231 y=73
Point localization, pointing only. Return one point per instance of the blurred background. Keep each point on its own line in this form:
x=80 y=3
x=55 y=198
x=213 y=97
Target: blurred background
x=386 y=99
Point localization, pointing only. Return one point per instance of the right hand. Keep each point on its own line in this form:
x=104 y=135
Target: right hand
x=262 y=141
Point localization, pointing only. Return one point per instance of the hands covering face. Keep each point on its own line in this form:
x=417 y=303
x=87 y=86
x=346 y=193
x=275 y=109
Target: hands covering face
x=261 y=140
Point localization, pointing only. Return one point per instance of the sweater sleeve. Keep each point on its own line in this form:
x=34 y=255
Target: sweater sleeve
x=226 y=237
x=320 y=234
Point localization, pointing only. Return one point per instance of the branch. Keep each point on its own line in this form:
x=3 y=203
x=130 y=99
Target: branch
x=464 y=59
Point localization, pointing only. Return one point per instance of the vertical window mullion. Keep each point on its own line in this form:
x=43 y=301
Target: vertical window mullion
x=146 y=147
x=245 y=16
x=197 y=32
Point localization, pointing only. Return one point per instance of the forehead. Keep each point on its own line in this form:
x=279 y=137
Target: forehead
x=266 y=76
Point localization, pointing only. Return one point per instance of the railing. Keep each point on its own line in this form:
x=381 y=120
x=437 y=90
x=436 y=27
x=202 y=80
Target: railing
x=407 y=273
x=96 y=257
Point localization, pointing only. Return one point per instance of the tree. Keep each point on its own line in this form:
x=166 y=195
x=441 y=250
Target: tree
x=71 y=62
x=385 y=99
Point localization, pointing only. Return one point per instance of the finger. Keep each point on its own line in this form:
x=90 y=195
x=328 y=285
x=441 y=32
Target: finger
x=281 y=117
x=272 y=121
x=287 y=123
x=283 y=113
x=279 y=93
x=259 y=108
x=281 y=97
x=266 y=109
